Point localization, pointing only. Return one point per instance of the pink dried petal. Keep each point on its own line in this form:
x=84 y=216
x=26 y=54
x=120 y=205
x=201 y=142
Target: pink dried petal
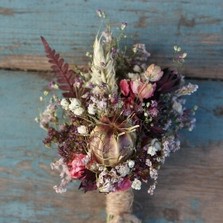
x=135 y=86
x=77 y=166
x=146 y=90
x=124 y=85
x=153 y=73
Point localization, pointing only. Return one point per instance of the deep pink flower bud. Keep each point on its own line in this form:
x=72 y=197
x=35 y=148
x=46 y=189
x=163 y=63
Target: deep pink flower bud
x=78 y=166
x=124 y=85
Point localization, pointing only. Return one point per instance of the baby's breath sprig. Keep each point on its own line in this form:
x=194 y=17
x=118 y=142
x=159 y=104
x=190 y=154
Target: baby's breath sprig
x=178 y=57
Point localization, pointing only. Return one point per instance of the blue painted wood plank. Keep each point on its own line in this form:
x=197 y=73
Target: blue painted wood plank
x=189 y=186
x=70 y=26
x=26 y=178
x=209 y=115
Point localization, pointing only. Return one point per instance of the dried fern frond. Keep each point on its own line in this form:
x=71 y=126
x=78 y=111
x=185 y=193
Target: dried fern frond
x=65 y=76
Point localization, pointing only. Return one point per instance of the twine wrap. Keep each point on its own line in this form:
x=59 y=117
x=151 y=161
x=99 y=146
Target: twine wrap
x=119 y=207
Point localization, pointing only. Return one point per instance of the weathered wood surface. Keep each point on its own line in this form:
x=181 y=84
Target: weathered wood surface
x=190 y=184
x=70 y=26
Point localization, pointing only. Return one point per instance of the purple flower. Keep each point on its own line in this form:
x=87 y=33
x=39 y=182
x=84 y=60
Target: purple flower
x=123 y=185
x=169 y=82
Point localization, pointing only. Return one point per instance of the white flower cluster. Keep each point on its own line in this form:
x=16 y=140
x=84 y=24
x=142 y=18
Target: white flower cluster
x=66 y=178
x=82 y=130
x=187 y=90
x=123 y=170
x=170 y=144
x=177 y=106
x=153 y=173
x=65 y=104
x=73 y=105
x=49 y=115
x=154 y=146
x=91 y=109
x=148 y=162
x=152 y=188
x=106 y=180
x=131 y=163
x=97 y=105
x=136 y=184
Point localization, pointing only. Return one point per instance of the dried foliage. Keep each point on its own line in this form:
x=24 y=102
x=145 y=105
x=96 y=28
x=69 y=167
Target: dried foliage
x=65 y=76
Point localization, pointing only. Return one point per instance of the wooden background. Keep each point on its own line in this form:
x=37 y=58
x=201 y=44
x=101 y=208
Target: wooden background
x=190 y=183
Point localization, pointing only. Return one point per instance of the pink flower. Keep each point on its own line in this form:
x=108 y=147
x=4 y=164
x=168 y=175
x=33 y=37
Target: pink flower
x=154 y=73
x=146 y=90
x=124 y=85
x=135 y=86
x=124 y=184
x=142 y=90
x=78 y=166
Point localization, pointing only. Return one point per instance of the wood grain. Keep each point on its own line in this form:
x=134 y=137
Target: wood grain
x=70 y=27
x=189 y=187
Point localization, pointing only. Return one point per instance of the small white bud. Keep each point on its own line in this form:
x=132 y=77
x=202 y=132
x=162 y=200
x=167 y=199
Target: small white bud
x=136 y=184
x=82 y=130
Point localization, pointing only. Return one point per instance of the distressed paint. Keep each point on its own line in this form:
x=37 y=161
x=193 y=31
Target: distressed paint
x=70 y=26
x=209 y=116
x=26 y=178
x=190 y=183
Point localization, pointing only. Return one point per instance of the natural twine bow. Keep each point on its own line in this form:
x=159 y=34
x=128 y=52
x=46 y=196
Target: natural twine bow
x=119 y=207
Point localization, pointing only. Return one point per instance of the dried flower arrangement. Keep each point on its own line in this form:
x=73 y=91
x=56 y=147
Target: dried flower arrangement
x=116 y=122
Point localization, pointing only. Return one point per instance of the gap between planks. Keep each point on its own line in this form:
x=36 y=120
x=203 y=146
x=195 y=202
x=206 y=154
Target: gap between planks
x=40 y=63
